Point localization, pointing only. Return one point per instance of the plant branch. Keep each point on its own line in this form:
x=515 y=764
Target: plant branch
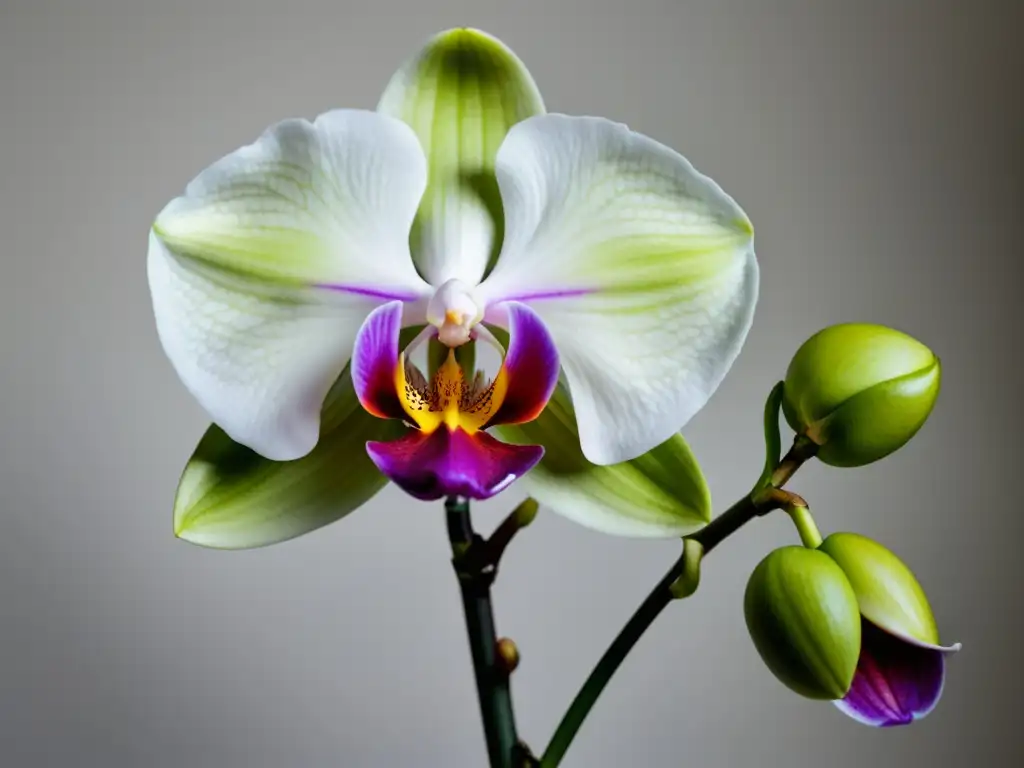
x=645 y=615
x=803 y=449
x=486 y=553
x=476 y=575
x=739 y=514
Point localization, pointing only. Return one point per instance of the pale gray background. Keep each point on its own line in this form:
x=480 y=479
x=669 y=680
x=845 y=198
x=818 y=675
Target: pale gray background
x=876 y=145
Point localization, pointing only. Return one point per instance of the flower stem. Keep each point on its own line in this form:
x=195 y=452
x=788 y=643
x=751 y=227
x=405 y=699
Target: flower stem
x=743 y=511
x=810 y=536
x=645 y=615
x=709 y=536
x=492 y=683
x=803 y=449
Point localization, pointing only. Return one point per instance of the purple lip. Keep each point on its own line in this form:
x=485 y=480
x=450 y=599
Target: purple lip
x=452 y=463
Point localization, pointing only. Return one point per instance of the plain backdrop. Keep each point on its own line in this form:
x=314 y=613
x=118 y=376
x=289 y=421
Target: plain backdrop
x=877 y=148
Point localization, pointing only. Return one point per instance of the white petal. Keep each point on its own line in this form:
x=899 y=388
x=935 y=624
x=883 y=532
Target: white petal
x=642 y=268
x=262 y=272
x=460 y=93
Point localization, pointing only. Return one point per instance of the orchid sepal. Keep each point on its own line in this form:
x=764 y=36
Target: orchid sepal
x=661 y=494
x=230 y=497
x=460 y=93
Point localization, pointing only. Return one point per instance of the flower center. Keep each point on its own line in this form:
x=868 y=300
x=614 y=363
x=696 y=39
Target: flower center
x=454 y=310
x=449 y=399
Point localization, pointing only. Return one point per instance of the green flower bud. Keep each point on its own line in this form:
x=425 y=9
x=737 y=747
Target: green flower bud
x=803 y=617
x=860 y=391
x=888 y=593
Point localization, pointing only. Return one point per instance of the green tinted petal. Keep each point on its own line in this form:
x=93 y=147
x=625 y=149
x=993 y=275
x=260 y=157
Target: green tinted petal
x=661 y=494
x=230 y=497
x=641 y=267
x=262 y=272
x=460 y=94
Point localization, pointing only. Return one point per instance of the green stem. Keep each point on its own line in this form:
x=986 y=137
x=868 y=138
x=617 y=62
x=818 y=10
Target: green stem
x=798 y=512
x=709 y=536
x=723 y=526
x=492 y=681
x=645 y=615
x=810 y=536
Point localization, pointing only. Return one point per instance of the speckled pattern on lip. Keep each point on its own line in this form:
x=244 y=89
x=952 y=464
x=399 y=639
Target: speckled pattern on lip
x=448 y=452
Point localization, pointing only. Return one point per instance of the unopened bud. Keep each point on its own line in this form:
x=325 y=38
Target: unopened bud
x=802 y=616
x=860 y=391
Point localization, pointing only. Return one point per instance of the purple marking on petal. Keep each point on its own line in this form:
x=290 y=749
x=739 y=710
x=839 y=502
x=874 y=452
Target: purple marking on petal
x=373 y=293
x=896 y=682
x=553 y=294
x=531 y=365
x=496 y=313
x=452 y=463
x=374 y=359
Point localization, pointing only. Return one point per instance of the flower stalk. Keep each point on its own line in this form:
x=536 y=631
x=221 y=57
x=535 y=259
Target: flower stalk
x=638 y=623
x=752 y=505
x=810 y=536
x=475 y=560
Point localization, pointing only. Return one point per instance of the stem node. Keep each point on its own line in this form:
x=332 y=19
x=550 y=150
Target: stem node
x=508 y=655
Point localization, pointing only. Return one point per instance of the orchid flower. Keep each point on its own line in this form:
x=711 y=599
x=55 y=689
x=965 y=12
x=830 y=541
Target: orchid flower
x=295 y=278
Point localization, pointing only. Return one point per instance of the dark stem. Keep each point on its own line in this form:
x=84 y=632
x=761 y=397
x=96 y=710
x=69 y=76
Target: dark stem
x=727 y=523
x=492 y=683
x=723 y=526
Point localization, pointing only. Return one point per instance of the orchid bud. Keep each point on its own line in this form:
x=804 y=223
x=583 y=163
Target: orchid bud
x=860 y=391
x=901 y=669
x=888 y=593
x=802 y=616
x=508 y=655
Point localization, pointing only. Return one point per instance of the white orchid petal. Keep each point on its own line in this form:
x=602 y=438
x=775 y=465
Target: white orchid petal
x=642 y=268
x=460 y=93
x=262 y=272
